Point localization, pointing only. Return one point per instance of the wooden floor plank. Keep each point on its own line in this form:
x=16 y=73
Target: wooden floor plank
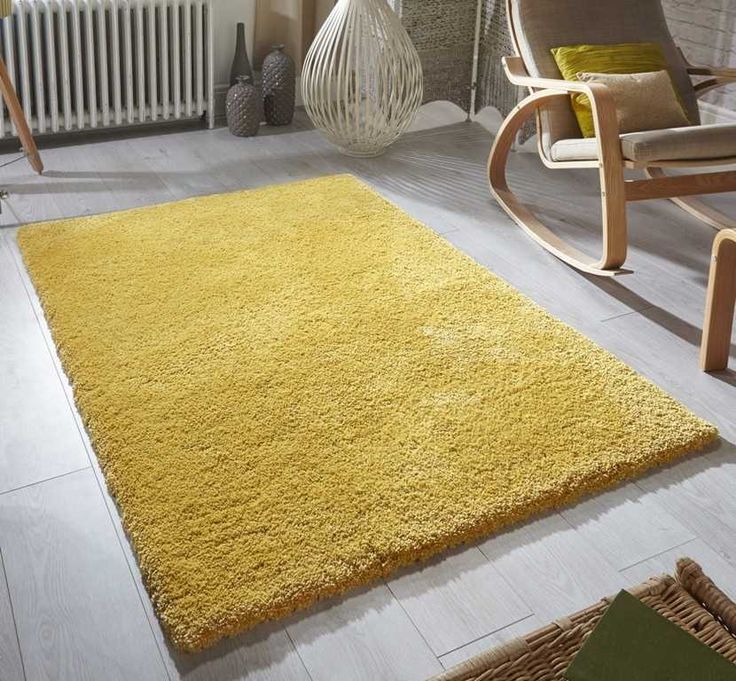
x=182 y=163
x=626 y=526
x=39 y=438
x=457 y=598
x=28 y=197
x=129 y=177
x=552 y=567
x=78 y=615
x=699 y=493
x=667 y=352
x=497 y=638
x=11 y=664
x=266 y=654
x=365 y=636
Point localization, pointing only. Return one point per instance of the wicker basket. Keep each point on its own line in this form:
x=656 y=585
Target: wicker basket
x=690 y=600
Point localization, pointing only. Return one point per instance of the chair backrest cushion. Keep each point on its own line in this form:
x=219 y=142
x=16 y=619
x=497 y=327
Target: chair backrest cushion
x=540 y=25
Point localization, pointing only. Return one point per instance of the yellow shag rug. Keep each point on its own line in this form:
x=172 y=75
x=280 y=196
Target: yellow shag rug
x=295 y=390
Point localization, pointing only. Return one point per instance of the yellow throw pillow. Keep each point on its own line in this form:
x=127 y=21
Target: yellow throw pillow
x=644 y=101
x=623 y=58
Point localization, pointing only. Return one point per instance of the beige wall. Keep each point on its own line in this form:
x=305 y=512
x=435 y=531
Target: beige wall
x=227 y=13
x=291 y=22
x=285 y=25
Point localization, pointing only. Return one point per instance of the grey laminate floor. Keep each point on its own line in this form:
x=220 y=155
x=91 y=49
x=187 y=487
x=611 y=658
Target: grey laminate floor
x=71 y=602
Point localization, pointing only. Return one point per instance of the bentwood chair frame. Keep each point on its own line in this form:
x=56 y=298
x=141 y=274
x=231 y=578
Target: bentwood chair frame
x=720 y=303
x=616 y=190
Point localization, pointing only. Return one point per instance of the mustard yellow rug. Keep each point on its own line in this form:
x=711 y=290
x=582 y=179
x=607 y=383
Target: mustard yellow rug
x=297 y=389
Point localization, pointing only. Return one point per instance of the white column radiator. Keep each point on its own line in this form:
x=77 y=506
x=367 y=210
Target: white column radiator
x=81 y=64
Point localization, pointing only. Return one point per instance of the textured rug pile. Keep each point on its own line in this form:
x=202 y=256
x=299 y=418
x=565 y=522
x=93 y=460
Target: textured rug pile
x=297 y=389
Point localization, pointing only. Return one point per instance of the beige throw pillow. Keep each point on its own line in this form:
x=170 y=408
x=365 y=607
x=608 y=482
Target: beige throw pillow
x=644 y=101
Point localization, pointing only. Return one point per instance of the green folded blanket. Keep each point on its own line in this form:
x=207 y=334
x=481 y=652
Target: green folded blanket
x=632 y=642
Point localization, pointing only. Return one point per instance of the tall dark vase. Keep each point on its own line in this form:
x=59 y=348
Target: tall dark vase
x=279 y=87
x=241 y=65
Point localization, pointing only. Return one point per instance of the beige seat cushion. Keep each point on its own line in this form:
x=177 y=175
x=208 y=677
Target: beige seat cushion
x=672 y=144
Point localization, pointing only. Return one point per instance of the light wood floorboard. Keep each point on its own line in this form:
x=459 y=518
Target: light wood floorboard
x=11 y=663
x=38 y=437
x=373 y=634
x=551 y=566
x=77 y=611
x=79 y=605
x=457 y=598
x=508 y=633
x=626 y=526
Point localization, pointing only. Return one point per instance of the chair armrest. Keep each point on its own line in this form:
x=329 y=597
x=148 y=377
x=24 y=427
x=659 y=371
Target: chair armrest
x=602 y=101
x=518 y=75
x=719 y=76
x=717 y=71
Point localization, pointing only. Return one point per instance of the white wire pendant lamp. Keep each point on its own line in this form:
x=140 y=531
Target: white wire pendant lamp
x=362 y=78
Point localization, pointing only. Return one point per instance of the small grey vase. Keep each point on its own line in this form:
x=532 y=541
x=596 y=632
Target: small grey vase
x=244 y=108
x=278 y=76
x=241 y=64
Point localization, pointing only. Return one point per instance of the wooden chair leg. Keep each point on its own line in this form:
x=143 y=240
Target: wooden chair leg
x=16 y=114
x=614 y=202
x=720 y=304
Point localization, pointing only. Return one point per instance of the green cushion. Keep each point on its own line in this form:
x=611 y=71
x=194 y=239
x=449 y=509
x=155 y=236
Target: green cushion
x=622 y=58
x=633 y=642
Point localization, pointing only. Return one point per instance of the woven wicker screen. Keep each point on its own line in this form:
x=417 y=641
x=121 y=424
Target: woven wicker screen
x=443 y=32
x=494 y=88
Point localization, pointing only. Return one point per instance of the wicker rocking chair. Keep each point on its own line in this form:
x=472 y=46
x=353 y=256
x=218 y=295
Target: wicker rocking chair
x=537 y=26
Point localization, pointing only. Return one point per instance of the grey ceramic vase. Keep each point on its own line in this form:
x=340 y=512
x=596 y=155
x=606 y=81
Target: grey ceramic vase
x=278 y=77
x=241 y=64
x=244 y=108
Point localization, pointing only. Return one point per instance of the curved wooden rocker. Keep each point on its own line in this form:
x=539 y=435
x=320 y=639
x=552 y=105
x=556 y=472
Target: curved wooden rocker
x=616 y=191
x=611 y=173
